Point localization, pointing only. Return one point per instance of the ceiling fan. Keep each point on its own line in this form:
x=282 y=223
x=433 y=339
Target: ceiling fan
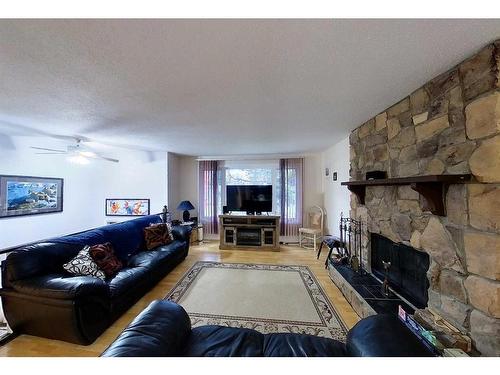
x=78 y=153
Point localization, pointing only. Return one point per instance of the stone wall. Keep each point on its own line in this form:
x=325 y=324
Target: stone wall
x=451 y=125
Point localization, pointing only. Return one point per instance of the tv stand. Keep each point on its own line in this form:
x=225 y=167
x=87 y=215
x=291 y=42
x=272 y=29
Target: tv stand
x=249 y=232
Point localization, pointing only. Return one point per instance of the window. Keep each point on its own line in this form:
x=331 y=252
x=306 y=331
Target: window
x=215 y=176
x=256 y=176
x=291 y=174
x=255 y=173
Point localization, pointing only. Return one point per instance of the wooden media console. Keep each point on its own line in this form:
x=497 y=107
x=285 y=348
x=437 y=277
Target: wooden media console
x=249 y=232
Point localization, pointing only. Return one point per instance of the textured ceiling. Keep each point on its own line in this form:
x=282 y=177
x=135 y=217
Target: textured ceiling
x=214 y=87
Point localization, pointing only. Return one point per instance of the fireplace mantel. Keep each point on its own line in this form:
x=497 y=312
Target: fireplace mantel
x=432 y=187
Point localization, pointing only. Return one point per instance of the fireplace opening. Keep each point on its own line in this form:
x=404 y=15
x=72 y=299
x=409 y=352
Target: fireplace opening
x=248 y=236
x=407 y=273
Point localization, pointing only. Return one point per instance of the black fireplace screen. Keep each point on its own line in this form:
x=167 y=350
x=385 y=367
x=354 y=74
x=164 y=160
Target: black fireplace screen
x=408 y=270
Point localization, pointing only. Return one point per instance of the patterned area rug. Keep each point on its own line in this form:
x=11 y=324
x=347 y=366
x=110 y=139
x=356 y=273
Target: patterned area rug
x=264 y=297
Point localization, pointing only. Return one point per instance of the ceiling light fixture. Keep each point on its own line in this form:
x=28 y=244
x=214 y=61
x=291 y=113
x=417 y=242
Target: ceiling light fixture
x=88 y=154
x=78 y=159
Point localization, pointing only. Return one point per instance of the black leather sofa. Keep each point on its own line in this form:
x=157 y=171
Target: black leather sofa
x=163 y=329
x=40 y=298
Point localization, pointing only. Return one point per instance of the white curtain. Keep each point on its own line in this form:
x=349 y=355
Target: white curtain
x=208 y=193
x=291 y=185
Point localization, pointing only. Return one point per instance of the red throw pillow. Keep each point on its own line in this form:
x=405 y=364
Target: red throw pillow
x=157 y=235
x=105 y=258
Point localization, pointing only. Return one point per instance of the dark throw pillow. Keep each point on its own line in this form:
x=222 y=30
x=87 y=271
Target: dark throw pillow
x=157 y=235
x=105 y=258
x=83 y=265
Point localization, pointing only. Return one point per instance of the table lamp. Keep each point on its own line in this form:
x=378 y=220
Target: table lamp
x=185 y=206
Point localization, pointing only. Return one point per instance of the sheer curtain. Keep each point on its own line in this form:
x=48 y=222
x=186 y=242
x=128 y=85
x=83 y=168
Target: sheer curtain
x=291 y=189
x=208 y=194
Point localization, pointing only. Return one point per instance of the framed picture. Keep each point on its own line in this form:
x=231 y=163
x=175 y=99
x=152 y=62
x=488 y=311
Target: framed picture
x=127 y=207
x=28 y=195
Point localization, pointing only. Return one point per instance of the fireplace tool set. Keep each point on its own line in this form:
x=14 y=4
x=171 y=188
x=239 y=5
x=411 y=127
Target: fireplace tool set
x=385 y=284
x=350 y=238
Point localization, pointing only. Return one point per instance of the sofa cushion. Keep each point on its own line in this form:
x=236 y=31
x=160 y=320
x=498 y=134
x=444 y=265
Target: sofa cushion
x=384 y=335
x=83 y=265
x=217 y=341
x=150 y=259
x=128 y=237
x=59 y=287
x=161 y=330
x=298 y=345
x=173 y=248
x=161 y=254
x=105 y=258
x=126 y=280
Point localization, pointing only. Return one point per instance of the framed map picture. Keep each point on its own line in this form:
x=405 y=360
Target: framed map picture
x=28 y=195
x=127 y=207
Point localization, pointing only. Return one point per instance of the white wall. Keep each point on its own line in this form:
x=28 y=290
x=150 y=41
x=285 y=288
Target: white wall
x=182 y=183
x=188 y=178
x=173 y=161
x=137 y=175
x=336 y=197
x=313 y=187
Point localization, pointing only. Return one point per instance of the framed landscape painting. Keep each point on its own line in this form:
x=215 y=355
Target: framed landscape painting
x=28 y=195
x=127 y=207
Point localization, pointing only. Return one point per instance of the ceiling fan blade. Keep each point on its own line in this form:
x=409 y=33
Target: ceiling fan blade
x=86 y=152
x=49 y=153
x=108 y=159
x=48 y=149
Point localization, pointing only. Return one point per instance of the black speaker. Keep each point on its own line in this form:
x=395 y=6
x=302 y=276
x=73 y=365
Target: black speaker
x=225 y=210
x=376 y=175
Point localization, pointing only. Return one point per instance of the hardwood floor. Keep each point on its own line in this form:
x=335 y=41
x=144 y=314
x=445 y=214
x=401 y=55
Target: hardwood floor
x=26 y=345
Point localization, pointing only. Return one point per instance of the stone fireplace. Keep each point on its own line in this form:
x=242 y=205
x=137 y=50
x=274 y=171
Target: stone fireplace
x=451 y=125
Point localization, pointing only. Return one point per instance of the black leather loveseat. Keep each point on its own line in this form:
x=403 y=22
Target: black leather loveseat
x=163 y=329
x=40 y=298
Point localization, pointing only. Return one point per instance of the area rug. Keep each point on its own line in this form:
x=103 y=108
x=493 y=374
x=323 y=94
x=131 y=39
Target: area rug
x=264 y=297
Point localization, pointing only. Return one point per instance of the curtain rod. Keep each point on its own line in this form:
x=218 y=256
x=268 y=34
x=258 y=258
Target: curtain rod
x=252 y=157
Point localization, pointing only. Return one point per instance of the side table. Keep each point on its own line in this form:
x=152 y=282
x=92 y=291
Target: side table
x=331 y=242
x=196 y=232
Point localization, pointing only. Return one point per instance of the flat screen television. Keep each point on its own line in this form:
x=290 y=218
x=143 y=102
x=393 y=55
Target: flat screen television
x=249 y=198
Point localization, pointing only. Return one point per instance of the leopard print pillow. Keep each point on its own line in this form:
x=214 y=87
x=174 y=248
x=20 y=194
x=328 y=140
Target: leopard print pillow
x=157 y=235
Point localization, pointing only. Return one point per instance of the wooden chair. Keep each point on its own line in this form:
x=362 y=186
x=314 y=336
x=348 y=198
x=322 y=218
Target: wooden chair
x=314 y=231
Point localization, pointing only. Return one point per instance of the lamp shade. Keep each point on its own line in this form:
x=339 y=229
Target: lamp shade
x=185 y=206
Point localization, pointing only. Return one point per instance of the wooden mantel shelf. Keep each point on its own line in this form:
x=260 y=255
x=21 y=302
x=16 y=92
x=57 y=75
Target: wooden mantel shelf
x=433 y=188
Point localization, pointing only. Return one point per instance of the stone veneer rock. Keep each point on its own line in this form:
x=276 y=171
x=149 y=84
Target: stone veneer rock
x=451 y=125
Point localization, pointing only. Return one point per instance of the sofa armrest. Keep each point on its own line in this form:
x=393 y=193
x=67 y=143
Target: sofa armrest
x=384 y=335
x=161 y=330
x=182 y=232
x=57 y=286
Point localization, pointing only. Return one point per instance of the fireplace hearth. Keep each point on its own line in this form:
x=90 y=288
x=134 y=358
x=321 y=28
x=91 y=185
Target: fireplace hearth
x=407 y=277
x=364 y=292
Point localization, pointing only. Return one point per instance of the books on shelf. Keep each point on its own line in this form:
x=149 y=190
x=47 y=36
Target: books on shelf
x=426 y=337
